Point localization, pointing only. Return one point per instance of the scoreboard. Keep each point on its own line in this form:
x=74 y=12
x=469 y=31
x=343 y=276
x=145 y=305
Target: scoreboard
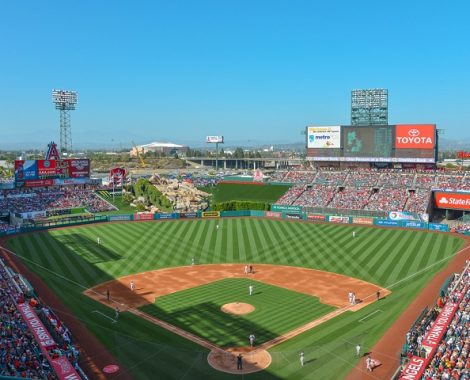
x=32 y=173
x=413 y=143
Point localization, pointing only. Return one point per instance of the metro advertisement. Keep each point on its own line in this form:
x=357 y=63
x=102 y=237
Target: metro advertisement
x=456 y=201
x=415 y=136
x=324 y=137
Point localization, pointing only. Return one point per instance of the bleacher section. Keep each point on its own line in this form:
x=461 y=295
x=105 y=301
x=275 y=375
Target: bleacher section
x=370 y=190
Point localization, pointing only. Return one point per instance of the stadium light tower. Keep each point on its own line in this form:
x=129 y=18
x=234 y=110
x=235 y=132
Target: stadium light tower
x=65 y=102
x=369 y=107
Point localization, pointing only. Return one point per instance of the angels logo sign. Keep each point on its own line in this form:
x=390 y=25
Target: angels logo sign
x=415 y=136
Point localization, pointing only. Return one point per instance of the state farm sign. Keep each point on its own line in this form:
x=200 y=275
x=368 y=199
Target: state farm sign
x=458 y=201
x=415 y=136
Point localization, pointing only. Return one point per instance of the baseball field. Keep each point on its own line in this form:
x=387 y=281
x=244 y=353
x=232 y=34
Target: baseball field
x=73 y=264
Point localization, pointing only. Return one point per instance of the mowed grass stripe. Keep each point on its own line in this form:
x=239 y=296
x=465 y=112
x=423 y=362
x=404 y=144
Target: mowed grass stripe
x=398 y=267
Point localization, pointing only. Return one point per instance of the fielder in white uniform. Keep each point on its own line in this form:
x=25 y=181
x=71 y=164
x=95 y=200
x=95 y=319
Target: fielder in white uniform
x=250 y=290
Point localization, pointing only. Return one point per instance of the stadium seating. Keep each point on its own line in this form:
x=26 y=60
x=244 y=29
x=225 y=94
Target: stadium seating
x=20 y=354
x=451 y=358
x=316 y=196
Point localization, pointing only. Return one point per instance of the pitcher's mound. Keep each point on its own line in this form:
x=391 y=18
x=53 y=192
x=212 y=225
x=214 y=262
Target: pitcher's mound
x=237 y=308
x=253 y=360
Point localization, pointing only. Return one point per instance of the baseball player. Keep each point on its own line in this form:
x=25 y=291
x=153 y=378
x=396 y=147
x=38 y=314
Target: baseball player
x=132 y=286
x=246 y=269
x=98 y=240
x=239 y=361
x=193 y=260
x=302 y=358
x=358 y=350
x=251 y=338
x=217 y=226
x=350 y=297
x=116 y=313
x=354 y=234
x=354 y=298
x=250 y=290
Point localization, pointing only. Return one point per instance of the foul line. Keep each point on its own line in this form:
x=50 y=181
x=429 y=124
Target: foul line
x=104 y=315
x=368 y=315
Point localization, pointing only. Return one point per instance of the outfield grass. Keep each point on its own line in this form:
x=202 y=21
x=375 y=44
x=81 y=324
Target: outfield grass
x=197 y=310
x=224 y=192
x=70 y=261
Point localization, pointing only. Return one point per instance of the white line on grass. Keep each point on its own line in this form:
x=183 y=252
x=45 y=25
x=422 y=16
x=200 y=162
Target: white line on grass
x=368 y=315
x=104 y=315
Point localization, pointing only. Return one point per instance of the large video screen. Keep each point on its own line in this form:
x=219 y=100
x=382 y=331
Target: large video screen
x=367 y=141
x=30 y=170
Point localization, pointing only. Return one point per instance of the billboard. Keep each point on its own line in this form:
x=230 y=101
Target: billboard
x=79 y=168
x=456 y=201
x=26 y=170
x=324 y=137
x=214 y=139
x=286 y=208
x=415 y=136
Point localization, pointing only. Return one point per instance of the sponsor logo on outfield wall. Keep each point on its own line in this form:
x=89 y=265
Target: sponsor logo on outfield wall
x=359 y=220
x=273 y=214
x=188 y=215
x=144 y=216
x=286 y=208
x=211 y=214
x=293 y=216
x=415 y=136
x=458 y=201
x=338 y=219
x=115 y=218
x=320 y=218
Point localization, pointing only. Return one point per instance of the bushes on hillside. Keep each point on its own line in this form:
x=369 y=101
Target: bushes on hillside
x=152 y=196
x=239 y=205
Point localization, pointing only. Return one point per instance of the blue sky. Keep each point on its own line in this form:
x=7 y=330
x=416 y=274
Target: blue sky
x=253 y=71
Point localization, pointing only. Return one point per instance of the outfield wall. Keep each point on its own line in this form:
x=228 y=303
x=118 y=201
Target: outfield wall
x=288 y=213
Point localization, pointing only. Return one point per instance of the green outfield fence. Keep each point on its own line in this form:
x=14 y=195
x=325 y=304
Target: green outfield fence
x=280 y=212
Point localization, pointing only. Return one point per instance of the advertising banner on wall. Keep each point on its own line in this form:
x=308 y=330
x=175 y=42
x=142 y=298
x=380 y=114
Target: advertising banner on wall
x=39 y=183
x=386 y=223
x=438 y=227
x=286 y=208
x=293 y=216
x=167 y=215
x=35 y=325
x=415 y=136
x=143 y=216
x=456 y=201
x=188 y=215
x=361 y=220
x=319 y=218
x=414 y=369
x=413 y=224
x=402 y=215
x=115 y=218
x=324 y=137
x=211 y=214
x=338 y=219
x=273 y=214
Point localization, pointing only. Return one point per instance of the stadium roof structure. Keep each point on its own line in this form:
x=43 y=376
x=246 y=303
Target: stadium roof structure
x=157 y=144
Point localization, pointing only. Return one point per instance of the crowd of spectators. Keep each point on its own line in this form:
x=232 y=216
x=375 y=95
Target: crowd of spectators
x=291 y=195
x=300 y=177
x=316 y=196
x=277 y=176
x=393 y=199
x=425 y=181
x=463 y=228
x=20 y=355
x=43 y=200
x=362 y=179
x=451 y=359
x=354 y=198
x=418 y=201
x=393 y=179
x=331 y=178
